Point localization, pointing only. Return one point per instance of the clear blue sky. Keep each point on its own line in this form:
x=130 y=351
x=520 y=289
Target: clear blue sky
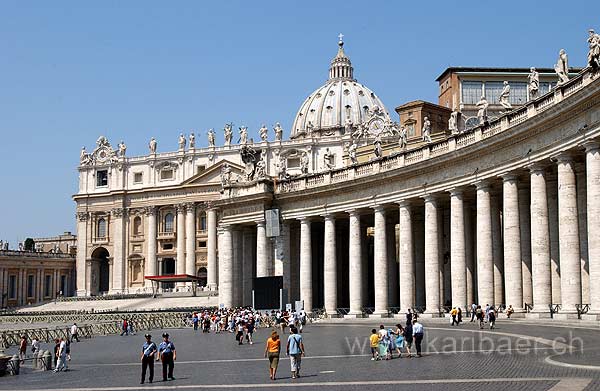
x=73 y=70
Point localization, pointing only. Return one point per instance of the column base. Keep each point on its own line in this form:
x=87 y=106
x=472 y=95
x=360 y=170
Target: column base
x=537 y=315
x=81 y=293
x=590 y=317
x=430 y=315
x=566 y=316
x=379 y=314
x=332 y=314
x=356 y=315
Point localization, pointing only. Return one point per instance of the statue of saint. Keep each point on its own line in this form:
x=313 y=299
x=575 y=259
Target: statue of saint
x=152 y=145
x=304 y=163
x=402 y=138
x=282 y=169
x=181 y=142
x=377 y=146
x=533 y=83
x=243 y=135
x=211 y=137
x=504 y=95
x=453 y=122
x=348 y=126
x=482 y=107
x=309 y=127
x=192 y=140
x=327 y=159
x=562 y=67
x=593 y=57
x=264 y=133
x=84 y=158
x=426 y=131
x=228 y=133
x=278 y=132
x=122 y=149
x=225 y=175
x=261 y=167
x=352 y=152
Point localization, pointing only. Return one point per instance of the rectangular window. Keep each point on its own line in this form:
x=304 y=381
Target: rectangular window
x=166 y=175
x=12 y=287
x=30 y=286
x=518 y=93
x=546 y=87
x=101 y=178
x=202 y=244
x=203 y=223
x=492 y=91
x=48 y=285
x=410 y=131
x=471 y=92
x=137 y=177
x=63 y=285
x=293 y=162
x=167 y=246
x=200 y=169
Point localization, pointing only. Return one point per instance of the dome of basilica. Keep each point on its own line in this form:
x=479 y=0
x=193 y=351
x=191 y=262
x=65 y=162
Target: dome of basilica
x=342 y=99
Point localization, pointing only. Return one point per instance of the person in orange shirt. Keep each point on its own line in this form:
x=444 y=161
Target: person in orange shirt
x=272 y=352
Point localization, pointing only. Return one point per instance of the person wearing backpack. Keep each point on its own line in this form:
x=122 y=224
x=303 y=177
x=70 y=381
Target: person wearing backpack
x=295 y=350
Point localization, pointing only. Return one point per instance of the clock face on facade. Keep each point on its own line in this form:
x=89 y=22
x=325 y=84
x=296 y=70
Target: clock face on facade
x=376 y=126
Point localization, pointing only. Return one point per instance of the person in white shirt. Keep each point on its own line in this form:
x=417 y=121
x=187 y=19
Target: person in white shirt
x=418 y=335
x=74 y=333
x=62 y=357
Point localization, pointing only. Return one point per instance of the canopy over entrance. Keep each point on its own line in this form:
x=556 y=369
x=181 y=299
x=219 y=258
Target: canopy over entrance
x=174 y=278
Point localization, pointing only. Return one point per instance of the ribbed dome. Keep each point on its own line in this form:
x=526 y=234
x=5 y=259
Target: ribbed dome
x=341 y=98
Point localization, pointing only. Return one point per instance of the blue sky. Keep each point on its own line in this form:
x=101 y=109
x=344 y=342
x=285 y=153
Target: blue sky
x=73 y=70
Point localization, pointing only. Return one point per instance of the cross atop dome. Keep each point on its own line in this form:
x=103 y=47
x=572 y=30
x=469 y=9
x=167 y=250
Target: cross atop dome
x=341 y=67
x=341 y=41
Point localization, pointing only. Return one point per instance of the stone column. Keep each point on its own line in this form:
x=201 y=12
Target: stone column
x=592 y=158
x=180 y=266
x=355 y=273
x=282 y=256
x=497 y=250
x=485 y=256
x=407 y=258
x=552 y=197
x=118 y=275
x=540 y=242
x=211 y=257
x=237 y=267
x=513 y=272
x=190 y=239
x=151 y=240
x=247 y=266
x=81 y=264
x=525 y=225
x=226 y=266
x=432 y=263
x=380 y=268
x=568 y=228
x=330 y=267
x=393 y=266
x=262 y=250
x=305 y=264
x=469 y=253
x=419 y=250
x=458 y=261
x=583 y=236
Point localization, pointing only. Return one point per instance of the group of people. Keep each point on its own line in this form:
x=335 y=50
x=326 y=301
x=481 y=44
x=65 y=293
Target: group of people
x=165 y=352
x=385 y=342
x=487 y=315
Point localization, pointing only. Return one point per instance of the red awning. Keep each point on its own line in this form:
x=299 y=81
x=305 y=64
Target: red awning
x=173 y=278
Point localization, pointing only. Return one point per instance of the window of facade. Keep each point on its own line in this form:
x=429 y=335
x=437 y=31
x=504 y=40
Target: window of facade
x=63 y=284
x=410 y=130
x=137 y=226
x=101 y=178
x=166 y=174
x=30 y=286
x=546 y=87
x=169 y=219
x=202 y=244
x=202 y=222
x=137 y=177
x=101 y=228
x=293 y=163
x=518 y=93
x=471 y=92
x=200 y=169
x=12 y=287
x=167 y=246
x=492 y=91
x=48 y=285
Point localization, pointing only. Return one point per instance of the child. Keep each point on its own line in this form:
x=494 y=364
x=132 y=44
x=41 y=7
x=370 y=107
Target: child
x=374 y=338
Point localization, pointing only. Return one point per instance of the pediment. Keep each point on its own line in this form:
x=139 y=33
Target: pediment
x=212 y=175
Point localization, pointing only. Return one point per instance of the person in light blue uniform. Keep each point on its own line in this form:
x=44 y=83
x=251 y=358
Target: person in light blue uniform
x=148 y=354
x=168 y=355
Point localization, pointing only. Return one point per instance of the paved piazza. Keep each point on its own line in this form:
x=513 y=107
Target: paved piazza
x=517 y=355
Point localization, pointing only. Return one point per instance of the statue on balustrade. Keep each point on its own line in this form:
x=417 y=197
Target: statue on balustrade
x=593 y=57
x=349 y=126
x=225 y=175
x=453 y=122
x=282 y=173
x=278 y=132
x=352 y=152
x=211 y=137
x=264 y=133
x=84 y=157
x=377 y=146
x=192 y=140
x=310 y=128
x=243 y=135
x=261 y=167
x=328 y=159
x=248 y=155
x=228 y=133
x=533 y=86
x=504 y=96
x=152 y=145
x=304 y=163
x=402 y=138
x=482 y=107
x=426 y=130
x=562 y=67
x=181 y=142
x=122 y=149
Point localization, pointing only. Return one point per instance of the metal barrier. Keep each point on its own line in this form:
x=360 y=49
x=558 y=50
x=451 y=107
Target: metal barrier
x=342 y=311
x=368 y=310
x=393 y=310
x=554 y=308
x=528 y=307
x=582 y=309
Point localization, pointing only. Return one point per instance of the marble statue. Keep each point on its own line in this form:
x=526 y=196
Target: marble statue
x=278 y=132
x=504 y=96
x=261 y=166
x=228 y=133
x=327 y=159
x=482 y=107
x=264 y=133
x=533 y=83
x=248 y=155
x=453 y=122
x=225 y=175
x=122 y=149
x=593 y=57
x=181 y=142
x=304 y=163
x=562 y=67
x=152 y=145
x=377 y=146
x=192 y=140
x=282 y=174
x=243 y=135
x=402 y=138
x=309 y=127
x=211 y=137
x=426 y=130
x=348 y=126
x=84 y=157
x=352 y=152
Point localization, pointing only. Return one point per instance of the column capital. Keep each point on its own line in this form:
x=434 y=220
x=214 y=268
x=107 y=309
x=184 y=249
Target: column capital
x=150 y=210
x=536 y=167
x=260 y=223
x=509 y=176
x=564 y=157
x=328 y=216
x=354 y=212
x=83 y=216
x=430 y=198
x=180 y=208
x=379 y=208
x=224 y=228
x=591 y=145
x=118 y=212
x=483 y=184
x=458 y=191
x=405 y=203
x=189 y=207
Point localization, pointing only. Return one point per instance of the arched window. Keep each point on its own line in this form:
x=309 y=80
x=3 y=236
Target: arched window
x=202 y=222
x=137 y=226
x=169 y=218
x=101 y=229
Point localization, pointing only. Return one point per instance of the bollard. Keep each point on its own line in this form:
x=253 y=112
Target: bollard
x=47 y=360
x=34 y=360
x=16 y=364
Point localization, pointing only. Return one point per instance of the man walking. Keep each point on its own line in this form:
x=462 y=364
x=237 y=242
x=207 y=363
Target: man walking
x=61 y=363
x=168 y=355
x=418 y=335
x=295 y=350
x=148 y=352
x=473 y=309
x=74 y=333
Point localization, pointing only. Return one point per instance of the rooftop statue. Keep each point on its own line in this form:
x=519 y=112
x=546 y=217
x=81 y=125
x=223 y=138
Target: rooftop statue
x=482 y=107
x=278 y=132
x=309 y=128
x=225 y=175
x=122 y=149
x=211 y=137
x=504 y=95
x=533 y=86
x=261 y=167
x=349 y=126
x=453 y=122
x=426 y=131
x=228 y=133
x=304 y=163
x=593 y=57
x=282 y=169
x=377 y=146
x=84 y=157
x=181 y=142
x=562 y=67
x=152 y=145
x=264 y=133
x=327 y=159
x=243 y=135
x=402 y=138
x=192 y=140
x=352 y=152
x=248 y=155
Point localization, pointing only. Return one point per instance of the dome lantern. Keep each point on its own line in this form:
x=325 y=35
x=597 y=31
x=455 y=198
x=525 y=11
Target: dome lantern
x=341 y=67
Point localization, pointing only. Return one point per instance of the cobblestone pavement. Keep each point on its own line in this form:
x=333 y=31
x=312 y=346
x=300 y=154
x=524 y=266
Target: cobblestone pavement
x=515 y=356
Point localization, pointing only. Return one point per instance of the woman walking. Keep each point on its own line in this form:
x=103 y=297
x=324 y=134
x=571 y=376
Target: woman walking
x=272 y=352
x=399 y=339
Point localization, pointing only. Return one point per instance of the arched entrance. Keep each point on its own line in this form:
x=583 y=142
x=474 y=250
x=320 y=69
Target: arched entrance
x=100 y=271
x=203 y=275
x=168 y=268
